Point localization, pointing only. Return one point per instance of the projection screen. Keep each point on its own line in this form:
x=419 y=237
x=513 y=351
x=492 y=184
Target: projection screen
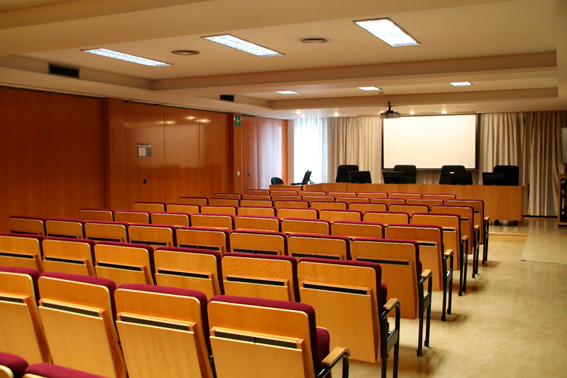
x=429 y=142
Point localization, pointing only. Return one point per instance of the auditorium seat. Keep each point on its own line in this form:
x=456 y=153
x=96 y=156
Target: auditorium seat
x=263 y=242
x=324 y=246
x=149 y=206
x=132 y=216
x=209 y=238
x=358 y=229
x=20 y=326
x=183 y=208
x=18 y=224
x=163 y=331
x=426 y=201
x=189 y=268
x=403 y=274
x=408 y=208
x=386 y=217
x=12 y=366
x=350 y=200
x=106 y=231
x=65 y=228
x=256 y=196
x=152 y=234
x=373 y=194
x=364 y=207
x=260 y=276
x=468 y=228
x=294 y=212
x=256 y=222
x=388 y=201
x=452 y=239
x=23 y=250
x=296 y=203
x=219 y=209
x=256 y=202
x=245 y=330
x=43 y=370
x=342 y=194
x=106 y=215
x=78 y=316
x=220 y=221
x=171 y=218
x=267 y=211
x=257 y=191
x=479 y=219
x=432 y=255
x=65 y=255
x=200 y=201
x=124 y=262
x=357 y=316
x=336 y=205
x=442 y=196
x=223 y=202
x=405 y=195
x=228 y=196
x=333 y=215
x=306 y=226
x=311 y=198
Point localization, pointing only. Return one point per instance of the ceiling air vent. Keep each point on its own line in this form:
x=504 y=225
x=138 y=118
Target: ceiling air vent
x=63 y=71
x=314 y=40
x=227 y=98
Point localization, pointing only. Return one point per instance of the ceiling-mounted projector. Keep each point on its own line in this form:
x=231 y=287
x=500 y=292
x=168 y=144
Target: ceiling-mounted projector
x=390 y=113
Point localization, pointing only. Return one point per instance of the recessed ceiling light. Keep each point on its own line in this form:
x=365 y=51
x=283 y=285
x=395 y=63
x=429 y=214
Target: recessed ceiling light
x=185 y=52
x=412 y=113
x=298 y=112
x=369 y=88
x=242 y=45
x=388 y=31
x=287 y=92
x=444 y=112
x=303 y=116
x=461 y=84
x=336 y=114
x=127 y=57
x=314 y=40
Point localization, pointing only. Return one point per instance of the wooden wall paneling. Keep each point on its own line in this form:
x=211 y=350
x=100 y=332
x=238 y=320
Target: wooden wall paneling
x=144 y=175
x=182 y=154
x=266 y=151
x=75 y=154
x=215 y=153
x=249 y=153
x=236 y=153
x=22 y=156
x=114 y=154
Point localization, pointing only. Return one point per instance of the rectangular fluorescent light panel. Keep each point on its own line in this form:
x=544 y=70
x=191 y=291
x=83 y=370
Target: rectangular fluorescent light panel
x=287 y=92
x=369 y=88
x=127 y=57
x=242 y=45
x=388 y=31
x=461 y=84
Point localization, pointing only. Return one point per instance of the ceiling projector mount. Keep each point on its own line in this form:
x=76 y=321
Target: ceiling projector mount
x=390 y=113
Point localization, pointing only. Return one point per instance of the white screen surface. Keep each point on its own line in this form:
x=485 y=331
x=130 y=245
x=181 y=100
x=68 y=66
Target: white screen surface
x=429 y=142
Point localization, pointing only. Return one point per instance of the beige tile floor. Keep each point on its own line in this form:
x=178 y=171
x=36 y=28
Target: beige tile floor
x=511 y=322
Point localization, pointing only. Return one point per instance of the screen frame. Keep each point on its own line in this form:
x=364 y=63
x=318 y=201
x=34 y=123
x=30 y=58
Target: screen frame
x=436 y=169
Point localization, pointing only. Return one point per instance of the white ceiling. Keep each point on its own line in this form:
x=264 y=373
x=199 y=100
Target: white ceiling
x=514 y=52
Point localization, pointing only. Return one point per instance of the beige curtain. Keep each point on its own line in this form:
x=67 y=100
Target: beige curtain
x=531 y=141
x=355 y=141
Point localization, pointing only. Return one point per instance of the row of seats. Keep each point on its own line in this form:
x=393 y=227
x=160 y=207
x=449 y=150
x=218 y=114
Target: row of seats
x=203 y=270
x=13 y=366
x=91 y=324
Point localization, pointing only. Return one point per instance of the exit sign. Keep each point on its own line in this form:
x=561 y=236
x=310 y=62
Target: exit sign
x=238 y=120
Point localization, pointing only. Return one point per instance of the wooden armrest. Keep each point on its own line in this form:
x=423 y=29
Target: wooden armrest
x=426 y=273
x=486 y=219
x=335 y=355
x=392 y=302
x=477 y=227
x=465 y=238
x=448 y=252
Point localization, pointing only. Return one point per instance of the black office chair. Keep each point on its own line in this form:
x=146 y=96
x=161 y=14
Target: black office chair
x=342 y=172
x=276 y=181
x=460 y=178
x=410 y=173
x=447 y=169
